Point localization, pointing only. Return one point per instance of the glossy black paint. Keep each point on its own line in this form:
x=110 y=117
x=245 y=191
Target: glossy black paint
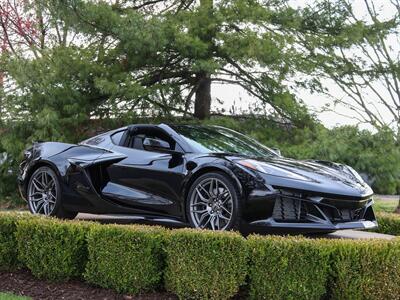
x=104 y=175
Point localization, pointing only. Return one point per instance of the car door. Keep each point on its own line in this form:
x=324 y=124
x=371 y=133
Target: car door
x=147 y=180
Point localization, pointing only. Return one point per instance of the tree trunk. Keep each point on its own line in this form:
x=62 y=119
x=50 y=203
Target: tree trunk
x=202 y=104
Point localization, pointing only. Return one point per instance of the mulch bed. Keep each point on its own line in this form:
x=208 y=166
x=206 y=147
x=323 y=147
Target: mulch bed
x=23 y=283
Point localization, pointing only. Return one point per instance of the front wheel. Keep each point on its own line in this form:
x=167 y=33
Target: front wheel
x=212 y=203
x=44 y=194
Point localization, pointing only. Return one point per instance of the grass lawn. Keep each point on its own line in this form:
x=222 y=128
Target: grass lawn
x=385 y=205
x=7 y=296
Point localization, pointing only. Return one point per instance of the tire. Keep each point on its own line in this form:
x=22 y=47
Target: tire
x=44 y=194
x=213 y=203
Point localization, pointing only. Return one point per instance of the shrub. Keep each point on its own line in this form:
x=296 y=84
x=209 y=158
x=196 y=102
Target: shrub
x=8 y=242
x=51 y=248
x=365 y=269
x=205 y=264
x=389 y=223
x=125 y=258
x=287 y=268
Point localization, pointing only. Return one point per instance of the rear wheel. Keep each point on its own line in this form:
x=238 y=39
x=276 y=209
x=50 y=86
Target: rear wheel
x=44 y=194
x=212 y=203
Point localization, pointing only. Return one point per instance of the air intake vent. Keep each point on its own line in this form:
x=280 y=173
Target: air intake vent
x=287 y=209
x=292 y=208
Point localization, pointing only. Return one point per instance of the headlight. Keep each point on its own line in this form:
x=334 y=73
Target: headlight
x=270 y=169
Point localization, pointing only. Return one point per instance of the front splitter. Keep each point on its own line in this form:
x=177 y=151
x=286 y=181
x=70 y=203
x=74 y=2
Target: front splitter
x=272 y=226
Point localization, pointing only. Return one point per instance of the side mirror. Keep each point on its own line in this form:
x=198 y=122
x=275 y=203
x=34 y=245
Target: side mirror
x=277 y=151
x=155 y=145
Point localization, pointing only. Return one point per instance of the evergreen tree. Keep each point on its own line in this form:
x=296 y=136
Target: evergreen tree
x=121 y=58
x=167 y=54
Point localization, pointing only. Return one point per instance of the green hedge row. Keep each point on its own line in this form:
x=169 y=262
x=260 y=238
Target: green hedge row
x=200 y=264
x=128 y=259
x=8 y=241
x=365 y=270
x=206 y=265
x=287 y=268
x=52 y=248
x=389 y=223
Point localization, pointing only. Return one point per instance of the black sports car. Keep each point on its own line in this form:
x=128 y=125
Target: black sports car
x=200 y=176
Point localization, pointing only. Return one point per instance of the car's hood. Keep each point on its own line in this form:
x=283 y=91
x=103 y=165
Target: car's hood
x=319 y=176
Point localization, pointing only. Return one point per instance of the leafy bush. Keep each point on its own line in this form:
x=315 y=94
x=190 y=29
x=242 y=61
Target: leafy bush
x=53 y=249
x=205 y=264
x=125 y=258
x=365 y=269
x=8 y=242
x=287 y=268
x=389 y=223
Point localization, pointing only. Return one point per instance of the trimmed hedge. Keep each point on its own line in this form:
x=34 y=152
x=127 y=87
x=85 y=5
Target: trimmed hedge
x=51 y=248
x=389 y=223
x=205 y=264
x=125 y=258
x=201 y=264
x=365 y=269
x=8 y=242
x=287 y=268
x=300 y=268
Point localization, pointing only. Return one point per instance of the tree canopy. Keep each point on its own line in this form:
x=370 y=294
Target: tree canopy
x=113 y=58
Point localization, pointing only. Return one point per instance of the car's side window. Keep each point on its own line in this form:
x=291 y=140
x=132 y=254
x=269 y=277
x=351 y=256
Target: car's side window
x=137 y=140
x=148 y=139
x=116 y=137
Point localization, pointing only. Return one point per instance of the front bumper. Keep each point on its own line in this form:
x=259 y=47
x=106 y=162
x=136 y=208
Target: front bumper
x=292 y=213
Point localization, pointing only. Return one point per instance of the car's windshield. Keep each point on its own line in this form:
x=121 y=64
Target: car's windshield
x=205 y=139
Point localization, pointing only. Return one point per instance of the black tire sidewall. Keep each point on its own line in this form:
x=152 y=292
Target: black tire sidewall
x=234 y=223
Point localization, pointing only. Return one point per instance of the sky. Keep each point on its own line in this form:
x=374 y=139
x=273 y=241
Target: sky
x=237 y=96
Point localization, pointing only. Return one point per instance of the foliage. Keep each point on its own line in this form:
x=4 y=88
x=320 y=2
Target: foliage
x=59 y=101
x=8 y=242
x=389 y=223
x=205 y=264
x=52 y=249
x=364 y=64
x=385 y=205
x=125 y=258
x=8 y=296
x=287 y=268
x=182 y=47
x=12 y=143
x=365 y=269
